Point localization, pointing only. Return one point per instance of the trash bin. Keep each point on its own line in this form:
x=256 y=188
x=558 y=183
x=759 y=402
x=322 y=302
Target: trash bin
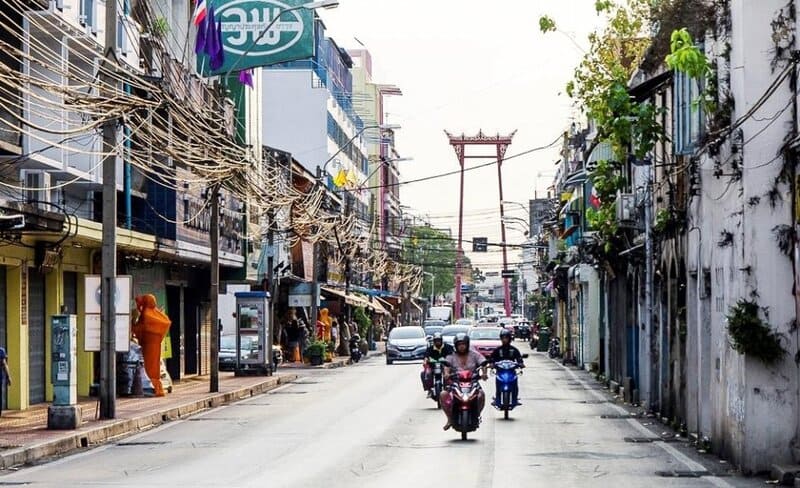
x=544 y=340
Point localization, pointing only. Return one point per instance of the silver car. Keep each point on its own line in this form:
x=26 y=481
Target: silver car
x=406 y=344
x=449 y=332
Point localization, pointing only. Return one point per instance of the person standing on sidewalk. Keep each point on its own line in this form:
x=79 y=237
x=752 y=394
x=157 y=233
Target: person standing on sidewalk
x=5 y=377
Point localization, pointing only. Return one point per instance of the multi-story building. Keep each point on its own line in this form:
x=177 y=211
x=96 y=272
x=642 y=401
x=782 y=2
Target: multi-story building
x=51 y=153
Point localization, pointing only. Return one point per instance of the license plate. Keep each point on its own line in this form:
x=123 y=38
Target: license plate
x=405 y=354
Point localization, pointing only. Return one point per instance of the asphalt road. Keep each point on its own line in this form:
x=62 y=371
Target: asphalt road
x=370 y=425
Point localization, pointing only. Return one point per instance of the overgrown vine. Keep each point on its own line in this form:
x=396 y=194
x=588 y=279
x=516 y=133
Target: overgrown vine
x=600 y=86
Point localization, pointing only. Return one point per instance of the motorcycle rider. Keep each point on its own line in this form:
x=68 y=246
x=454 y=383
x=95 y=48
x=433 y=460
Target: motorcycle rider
x=463 y=359
x=436 y=351
x=509 y=353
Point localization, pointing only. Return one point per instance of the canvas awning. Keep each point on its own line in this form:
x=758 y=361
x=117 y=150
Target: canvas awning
x=388 y=306
x=349 y=299
x=376 y=306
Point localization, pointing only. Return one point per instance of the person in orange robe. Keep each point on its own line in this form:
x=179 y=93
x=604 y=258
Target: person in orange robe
x=150 y=329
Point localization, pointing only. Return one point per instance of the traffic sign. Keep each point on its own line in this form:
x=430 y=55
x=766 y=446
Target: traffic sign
x=480 y=244
x=508 y=273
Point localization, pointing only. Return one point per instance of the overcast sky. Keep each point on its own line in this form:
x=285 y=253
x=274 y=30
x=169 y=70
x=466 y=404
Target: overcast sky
x=465 y=65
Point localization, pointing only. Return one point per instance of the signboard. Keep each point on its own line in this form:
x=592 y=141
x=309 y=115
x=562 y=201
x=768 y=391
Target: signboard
x=508 y=273
x=299 y=300
x=93 y=298
x=491 y=274
x=291 y=37
x=480 y=244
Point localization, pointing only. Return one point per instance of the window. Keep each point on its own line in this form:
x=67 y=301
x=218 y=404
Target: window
x=87 y=15
x=688 y=124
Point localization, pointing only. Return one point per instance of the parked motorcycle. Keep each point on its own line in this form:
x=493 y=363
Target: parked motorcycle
x=522 y=331
x=465 y=388
x=355 y=348
x=555 y=348
x=437 y=368
x=506 y=372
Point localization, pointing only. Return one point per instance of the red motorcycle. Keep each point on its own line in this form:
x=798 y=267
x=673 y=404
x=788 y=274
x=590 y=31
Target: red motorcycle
x=465 y=389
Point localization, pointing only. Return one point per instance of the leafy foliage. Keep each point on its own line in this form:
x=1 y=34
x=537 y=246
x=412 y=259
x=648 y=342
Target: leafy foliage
x=362 y=319
x=600 y=86
x=687 y=58
x=546 y=24
x=751 y=336
x=435 y=251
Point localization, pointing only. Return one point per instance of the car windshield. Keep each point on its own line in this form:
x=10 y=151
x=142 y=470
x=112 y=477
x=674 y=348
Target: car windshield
x=440 y=323
x=464 y=321
x=453 y=330
x=432 y=329
x=486 y=334
x=407 y=333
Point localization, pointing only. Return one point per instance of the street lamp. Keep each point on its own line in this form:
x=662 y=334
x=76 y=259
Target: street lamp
x=520 y=205
x=383 y=161
x=350 y=141
x=516 y=220
x=326 y=4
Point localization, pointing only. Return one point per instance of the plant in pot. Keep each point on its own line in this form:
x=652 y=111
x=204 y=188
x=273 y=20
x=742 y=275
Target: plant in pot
x=364 y=323
x=316 y=352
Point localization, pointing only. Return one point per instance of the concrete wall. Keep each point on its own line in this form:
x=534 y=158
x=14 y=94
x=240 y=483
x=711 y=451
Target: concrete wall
x=740 y=399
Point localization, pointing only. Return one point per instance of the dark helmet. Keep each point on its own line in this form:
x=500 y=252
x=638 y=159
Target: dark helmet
x=437 y=336
x=505 y=333
x=461 y=337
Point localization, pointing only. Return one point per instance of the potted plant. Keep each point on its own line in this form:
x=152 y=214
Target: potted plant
x=316 y=352
x=329 y=349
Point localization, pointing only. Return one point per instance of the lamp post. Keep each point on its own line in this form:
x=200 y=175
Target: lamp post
x=327 y=4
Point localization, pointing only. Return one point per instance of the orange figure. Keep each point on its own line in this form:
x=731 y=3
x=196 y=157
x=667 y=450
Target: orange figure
x=150 y=329
x=324 y=326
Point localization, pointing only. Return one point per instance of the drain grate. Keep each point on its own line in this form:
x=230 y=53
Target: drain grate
x=14 y=483
x=641 y=440
x=683 y=474
x=621 y=416
x=142 y=443
x=594 y=402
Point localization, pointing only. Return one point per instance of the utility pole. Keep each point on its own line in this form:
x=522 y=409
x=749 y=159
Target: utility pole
x=108 y=312
x=314 y=286
x=214 y=381
x=271 y=277
x=648 y=298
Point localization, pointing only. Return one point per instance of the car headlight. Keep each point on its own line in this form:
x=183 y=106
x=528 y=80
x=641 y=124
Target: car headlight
x=391 y=346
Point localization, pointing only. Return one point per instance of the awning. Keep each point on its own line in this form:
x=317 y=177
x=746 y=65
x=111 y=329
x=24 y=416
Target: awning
x=350 y=299
x=388 y=306
x=376 y=305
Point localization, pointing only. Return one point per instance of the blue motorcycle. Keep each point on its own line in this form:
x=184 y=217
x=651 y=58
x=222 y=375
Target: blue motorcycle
x=506 y=372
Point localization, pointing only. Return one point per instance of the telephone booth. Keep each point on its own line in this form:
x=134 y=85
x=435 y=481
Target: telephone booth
x=253 y=334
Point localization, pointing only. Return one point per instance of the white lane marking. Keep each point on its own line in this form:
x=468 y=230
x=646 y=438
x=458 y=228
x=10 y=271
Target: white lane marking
x=677 y=455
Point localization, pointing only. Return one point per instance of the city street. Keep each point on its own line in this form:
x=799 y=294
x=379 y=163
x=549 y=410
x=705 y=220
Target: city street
x=370 y=425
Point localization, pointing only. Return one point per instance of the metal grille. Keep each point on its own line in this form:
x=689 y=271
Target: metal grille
x=36 y=336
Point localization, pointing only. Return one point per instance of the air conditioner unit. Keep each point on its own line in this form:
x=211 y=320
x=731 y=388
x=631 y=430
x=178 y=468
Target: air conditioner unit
x=626 y=207
x=37 y=185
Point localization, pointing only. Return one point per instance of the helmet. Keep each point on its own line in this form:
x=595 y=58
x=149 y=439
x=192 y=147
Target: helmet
x=437 y=336
x=461 y=337
x=505 y=333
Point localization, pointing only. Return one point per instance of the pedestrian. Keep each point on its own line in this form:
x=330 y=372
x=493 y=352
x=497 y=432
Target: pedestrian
x=335 y=333
x=5 y=377
x=293 y=334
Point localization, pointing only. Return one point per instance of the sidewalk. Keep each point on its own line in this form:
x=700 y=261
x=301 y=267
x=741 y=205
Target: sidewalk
x=24 y=438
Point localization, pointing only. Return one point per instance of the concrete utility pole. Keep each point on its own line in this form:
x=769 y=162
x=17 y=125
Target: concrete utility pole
x=108 y=311
x=213 y=386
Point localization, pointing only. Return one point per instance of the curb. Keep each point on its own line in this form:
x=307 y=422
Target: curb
x=100 y=435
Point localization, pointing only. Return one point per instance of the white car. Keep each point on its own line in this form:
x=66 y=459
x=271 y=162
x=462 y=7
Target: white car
x=468 y=322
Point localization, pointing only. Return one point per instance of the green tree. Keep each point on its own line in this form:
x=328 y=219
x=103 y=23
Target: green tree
x=435 y=251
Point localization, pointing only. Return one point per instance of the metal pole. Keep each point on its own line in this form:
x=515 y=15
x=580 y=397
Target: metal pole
x=648 y=293
x=108 y=312
x=270 y=278
x=506 y=288
x=460 y=250
x=314 y=288
x=214 y=381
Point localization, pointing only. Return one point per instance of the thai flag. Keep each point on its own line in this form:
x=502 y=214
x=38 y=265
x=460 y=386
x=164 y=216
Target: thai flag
x=199 y=12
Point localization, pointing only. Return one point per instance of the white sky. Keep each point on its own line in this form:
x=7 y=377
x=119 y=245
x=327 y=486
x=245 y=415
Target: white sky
x=465 y=65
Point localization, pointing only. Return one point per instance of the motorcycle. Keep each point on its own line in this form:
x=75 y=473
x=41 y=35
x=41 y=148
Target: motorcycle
x=355 y=349
x=506 y=372
x=437 y=368
x=522 y=331
x=465 y=388
x=555 y=348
